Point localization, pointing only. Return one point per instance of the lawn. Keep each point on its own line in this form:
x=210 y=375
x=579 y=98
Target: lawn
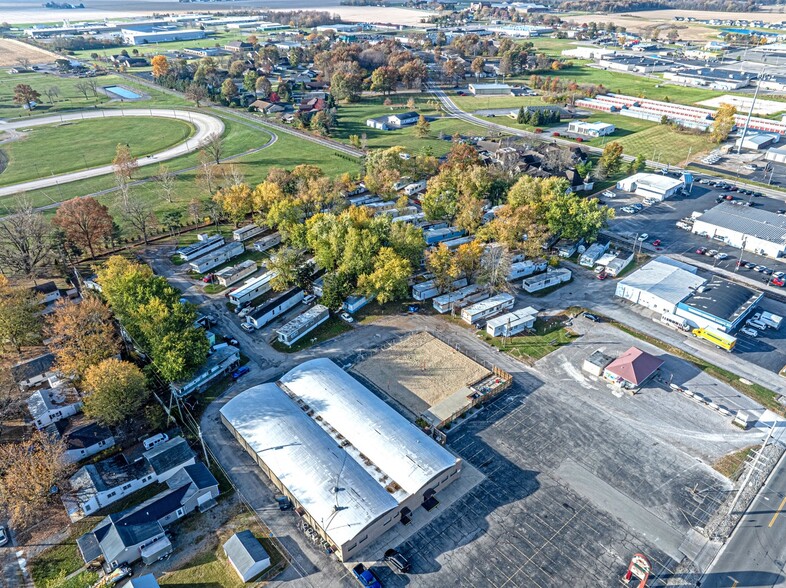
x=49 y=150
x=665 y=144
x=57 y=562
x=333 y=327
x=548 y=337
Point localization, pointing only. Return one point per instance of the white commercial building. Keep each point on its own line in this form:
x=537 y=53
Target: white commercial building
x=489 y=89
x=512 y=323
x=162 y=35
x=657 y=186
x=353 y=467
x=744 y=227
x=660 y=285
x=588 y=52
x=591 y=129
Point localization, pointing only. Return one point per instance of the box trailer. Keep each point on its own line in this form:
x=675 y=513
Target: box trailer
x=435 y=236
x=252 y=288
x=267 y=242
x=487 y=308
x=215 y=258
x=771 y=320
x=301 y=325
x=552 y=277
x=275 y=308
x=427 y=290
x=524 y=269
x=512 y=323
x=446 y=302
x=247 y=232
x=205 y=244
x=230 y=275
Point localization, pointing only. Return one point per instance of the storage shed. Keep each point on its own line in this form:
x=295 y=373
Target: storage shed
x=246 y=554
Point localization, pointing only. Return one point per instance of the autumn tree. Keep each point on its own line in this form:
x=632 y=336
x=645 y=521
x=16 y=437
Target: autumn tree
x=495 y=268
x=124 y=165
x=408 y=242
x=26 y=237
x=287 y=264
x=388 y=280
x=467 y=259
x=478 y=66
x=610 y=160
x=29 y=469
x=85 y=221
x=196 y=93
x=116 y=390
x=724 y=122
x=20 y=321
x=160 y=66
x=81 y=335
x=422 y=127
x=263 y=87
x=26 y=95
x=384 y=80
x=235 y=201
x=228 y=90
x=439 y=262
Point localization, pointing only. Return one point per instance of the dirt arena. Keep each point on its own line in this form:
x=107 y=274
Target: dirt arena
x=420 y=371
x=12 y=51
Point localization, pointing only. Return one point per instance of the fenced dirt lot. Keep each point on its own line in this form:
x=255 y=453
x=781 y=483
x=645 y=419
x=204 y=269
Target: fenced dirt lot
x=12 y=51
x=420 y=371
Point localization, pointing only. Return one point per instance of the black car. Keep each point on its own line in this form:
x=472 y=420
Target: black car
x=396 y=561
x=592 y=317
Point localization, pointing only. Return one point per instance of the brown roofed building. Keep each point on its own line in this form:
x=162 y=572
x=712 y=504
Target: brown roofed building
x=632 y=368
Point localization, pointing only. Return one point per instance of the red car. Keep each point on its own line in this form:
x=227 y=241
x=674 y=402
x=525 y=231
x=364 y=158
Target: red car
x=701 y=251
x=603 y=275
x=656 y=242
x=777 y=282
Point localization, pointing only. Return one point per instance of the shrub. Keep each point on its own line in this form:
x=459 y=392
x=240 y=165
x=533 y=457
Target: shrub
x=579 y=140
x=538 y=130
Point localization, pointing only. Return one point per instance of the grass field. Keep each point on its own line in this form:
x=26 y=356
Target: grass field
x=730 y=465
x=333 y=327
x=548 y=337
x=664 y=144
x=50 y=150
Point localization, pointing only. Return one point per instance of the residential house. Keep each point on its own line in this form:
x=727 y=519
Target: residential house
x=33 y=371
x=49 y=405
x=95 y=486
x=266 y=107
x=48 y=291
x=138 y=533
x=238 y=46
x=219 y=363
x=393 y=121
x=146 y=581
x=82 y=439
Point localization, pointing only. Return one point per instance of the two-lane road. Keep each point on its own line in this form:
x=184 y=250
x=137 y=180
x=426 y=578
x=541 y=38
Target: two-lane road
x=755 y=555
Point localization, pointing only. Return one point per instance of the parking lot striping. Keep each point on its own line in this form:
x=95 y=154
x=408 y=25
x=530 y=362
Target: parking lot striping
x=777 y=512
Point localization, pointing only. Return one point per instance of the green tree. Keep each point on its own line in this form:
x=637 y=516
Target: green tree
x=388 y=281
x=439 y=261
x=611 y=159
x=407 y=241
x=422 y=127
x=250 y=80
x=469 y=213
x=384 y=79
x=20 y=322
x=116 y=391
x=286 y=263
x=263 y=87
x=228 y=90
x=467 y=260
x=335 y=289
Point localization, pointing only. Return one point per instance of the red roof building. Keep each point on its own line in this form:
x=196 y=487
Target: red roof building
x=632 y=368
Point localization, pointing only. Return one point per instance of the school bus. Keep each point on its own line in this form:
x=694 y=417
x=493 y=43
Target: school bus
x=717 y=338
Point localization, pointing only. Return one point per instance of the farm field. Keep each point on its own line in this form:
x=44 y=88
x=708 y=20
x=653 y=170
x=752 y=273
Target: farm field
x=49 y=150
x=11 y=51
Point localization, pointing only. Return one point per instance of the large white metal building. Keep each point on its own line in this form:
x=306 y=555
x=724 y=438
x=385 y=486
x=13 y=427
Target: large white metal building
x=353 y=466
x=655 y=186
x=660 y=285
x=751 y=229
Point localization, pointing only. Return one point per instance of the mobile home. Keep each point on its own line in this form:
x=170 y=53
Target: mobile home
x=252 y=288
x=205 y=244
x=247 y=232
x=275 y=308
x=435 y=236
x=301 y=325
x=456 y=243
x=268 y=242
x=552 y=277
x=215 y=258
x=415 y=187
x=512 y=323
x=486 y=308
x=410 y=218
x=354 y=303
x=230 y=275
x=427 y=290
x=446 y=302
x=523 y=269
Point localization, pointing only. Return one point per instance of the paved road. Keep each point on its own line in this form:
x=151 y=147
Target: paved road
x=755 y=555
x=205 y=124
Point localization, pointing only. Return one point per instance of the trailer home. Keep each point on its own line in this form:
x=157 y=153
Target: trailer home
x=487 y=308
x=552 y=277
x=247 y=232
x=415 y=187
x=205 y=244
x=301 y=325
x=275 y=308
x=435 y=236
x=512 y=323
x=231 y=275
x=427 y=290
x=268 y=242
x=215 y=258
x=252 y=288
x=446 y=302
x=523 y=269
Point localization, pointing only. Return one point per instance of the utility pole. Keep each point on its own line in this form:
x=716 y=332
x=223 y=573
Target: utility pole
x=750 y=470
x=750 y=113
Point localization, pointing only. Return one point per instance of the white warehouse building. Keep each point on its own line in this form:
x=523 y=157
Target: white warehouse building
x=352 y=466
x=744 y=227
x=655 y=186
x=660 y=285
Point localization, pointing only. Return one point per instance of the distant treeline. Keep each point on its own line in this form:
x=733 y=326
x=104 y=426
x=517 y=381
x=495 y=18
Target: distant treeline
x=635 y=5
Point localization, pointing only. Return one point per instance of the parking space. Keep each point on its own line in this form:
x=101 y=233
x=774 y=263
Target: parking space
x=768 y=347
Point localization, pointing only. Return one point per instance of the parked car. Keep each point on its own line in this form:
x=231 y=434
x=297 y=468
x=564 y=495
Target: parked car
x=756 y=324
x=779 y=274
x=777 y=282
x=701 y=251
x=309 y=299
x=643 y=237
x=241 y=371
x=603 y=275
x=750 y=265
x=628 y=209
x=759 y=268
x=345 y=316
x=721 y=255
x=247 y=327
x=396 y=561
x=591 y=317
x=656 y=242
x=245 y=311
x=728 y=196
x=609 y=194
x=637 y=206
x=767 y=271
x=208 y=278
x=366 y=577
x=599 y=269
x=749 y=331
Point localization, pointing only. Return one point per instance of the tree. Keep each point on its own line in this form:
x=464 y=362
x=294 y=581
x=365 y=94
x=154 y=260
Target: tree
x=495 y=268
x=384 y=79
x=83 y=88
x=160 y=66
x=413 y=73
x=117 y=390
x=263 y=87
x=469 y=213
x=195 y=210
x=20 y=322
x=24 y=94
x=166 y=182
x=724 y=122
x=52 y=92
x=407 y=241
x=284 y=91
x=453 y=70
x=213 y=145
x=388 y=281
x=172 y=221
x=26 y=237
x=124 y=165
x=467 y=260
x=235 y=201
x=139 y=215
x=85 y=222
x=439 y=261
x=335 y=289
x=346 y=85
x=228 y=90
x=250 y=80
x=639 y=163
x=29 y=469
x=611 y=159
x=286 y=263
x=196 y=92
x=81 y=335
x=236 y=68
x=478 y=66
x=422 y=127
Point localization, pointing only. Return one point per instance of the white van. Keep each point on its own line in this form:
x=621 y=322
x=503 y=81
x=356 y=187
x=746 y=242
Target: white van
x=756 y=325
x=151 y=442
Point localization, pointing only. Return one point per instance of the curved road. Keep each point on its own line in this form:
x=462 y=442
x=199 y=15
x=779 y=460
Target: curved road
x=205 y=125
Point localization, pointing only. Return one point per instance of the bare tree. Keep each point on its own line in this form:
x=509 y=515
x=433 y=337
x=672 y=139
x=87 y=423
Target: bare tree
x=139 y=215
x=166 y=183
x=206 y=172
x=195 y=210
x=495 y=267
x=232 y=175
x=83 y=88
x=26 y=241
x=93 y=87
x=213 y=145
x=52 y=92
x=23 y=62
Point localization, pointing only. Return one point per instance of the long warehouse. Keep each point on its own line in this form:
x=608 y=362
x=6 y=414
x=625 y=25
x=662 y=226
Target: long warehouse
x=352 y=465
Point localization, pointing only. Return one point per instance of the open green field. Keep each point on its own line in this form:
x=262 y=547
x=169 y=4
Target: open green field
x=664 y=144
x=552 y=46
x=77 y=145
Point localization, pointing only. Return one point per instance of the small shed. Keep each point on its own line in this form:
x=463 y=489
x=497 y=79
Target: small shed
x=246 y=554
x=596 y=363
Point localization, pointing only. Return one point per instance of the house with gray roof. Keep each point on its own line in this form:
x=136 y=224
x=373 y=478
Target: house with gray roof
x=82 y=439
x=246 y=554
x=138 y=533
x=50 y=405
x=33 y=371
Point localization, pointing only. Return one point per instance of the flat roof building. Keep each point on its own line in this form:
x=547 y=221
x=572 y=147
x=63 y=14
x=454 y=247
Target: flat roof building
x=590 y=129
x=660 y=285
x=489 y=89
x=352 y=465
x=657 y=186
x=719 y=304
x=744 y=227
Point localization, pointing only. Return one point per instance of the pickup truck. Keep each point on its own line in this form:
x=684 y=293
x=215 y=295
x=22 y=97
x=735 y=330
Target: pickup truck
x=366 y=577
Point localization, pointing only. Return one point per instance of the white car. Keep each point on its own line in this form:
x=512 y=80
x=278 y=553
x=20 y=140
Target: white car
x=245 y=312
x=751 y=332
x=609 y=194
x=721 y=255
x=345 y=316
x=643 y=237
x=628 y=209
x=309 y=299
x=247 y=327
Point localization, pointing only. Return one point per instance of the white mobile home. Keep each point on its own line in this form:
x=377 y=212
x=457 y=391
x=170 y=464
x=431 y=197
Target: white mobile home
x=592 y=254
x=434 y=236
x=252 y=288
x=230 y=275
x=215 y=258
x=268 y=242
x=486 y=308
x=301 y=325
x=354 y=303
x=410 y=218
x=523 y=269
x=458 y=242
x=205 y=244
x=275 y=308
x=247 y=232
x=512 y=323
x=427 y=290
x=446 y=302
x=552 y=277
x=415 y=187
